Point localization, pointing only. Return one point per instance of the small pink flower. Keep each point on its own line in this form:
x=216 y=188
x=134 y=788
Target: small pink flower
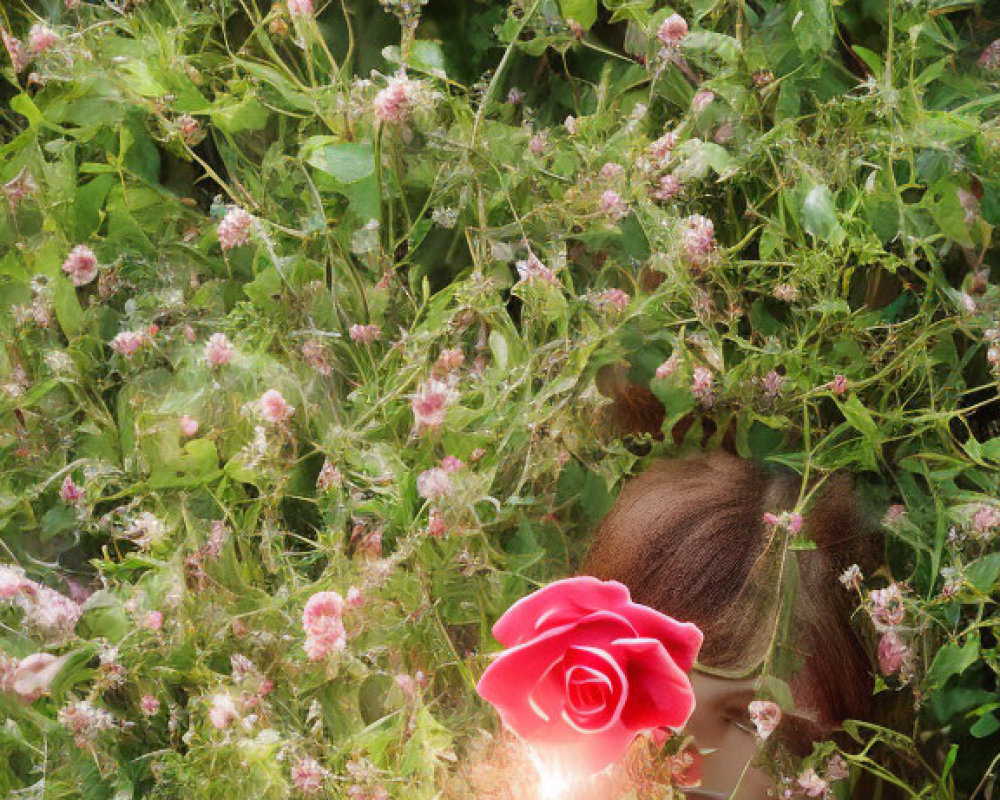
x=893 y=655
x=150 y=705
x=189 y=425
x=887 y=608
x=153 y=621
x=614 y=300
x=851 y=577
x=80 y=265
x=613 y=205
x=532 y=269
x=366 y=334
x=985 y=521
x=41 y=38
x=234 y=229
x=837 y=769
x=434 y=483
x=668 y=188
x=698 y=237
x=300 y=8
x=990 y=58
x=395 y=103
x=223 y=712
x=668 y=367
x=308 y=776
x=273 y=407
x=451 y=463
x=70 y=493
x=612 y=171
x=219 y=350
x=19 y=56
x=895 y=514
x=703 y=385
x=765 y=715
x=838 y=385
x=772 y=384
x=538 y=143
x=354 y=598
x=789 y=520
x=701 y=101
x=128 y=343
x=32 y=676
x=436 y=525
x=786 y=292
x=672 y=30
x=431 y=401
x=19 y=187
x=329 y=476
x=812 y=785
x=12 y=581
x=661 y=149
x=450 y=359
x=323 y=623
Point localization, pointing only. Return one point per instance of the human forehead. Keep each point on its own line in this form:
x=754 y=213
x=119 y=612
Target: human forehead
x=710 y=686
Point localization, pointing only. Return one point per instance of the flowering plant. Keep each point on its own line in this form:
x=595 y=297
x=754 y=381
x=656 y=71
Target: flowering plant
x=586 y=670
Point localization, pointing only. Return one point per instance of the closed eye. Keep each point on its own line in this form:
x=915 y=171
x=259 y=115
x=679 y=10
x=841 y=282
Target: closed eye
x=741 y=719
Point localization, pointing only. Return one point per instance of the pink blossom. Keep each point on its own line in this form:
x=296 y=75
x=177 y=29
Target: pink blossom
x=219 y=350
x=85 y=721
x=838 y=385
x=354 y=598
x=149 y=705
x=765 y=715
x=887 y=608
x=223 y=712
x=985 y=521
x=366 y=334
x=532 y=269
x=50 y=612
x=128 y=343
x=19 y=56
x=80 y=265
x=322 y=621
x=772 y=384
x=314 y=353
x=613 y=205
x=895 y=514
x=614 y=300
x=41 y=38
x=190 y=130
x=300 y=8
x=663 y=147
x=837 y=769
x=70 y=493
x=19 y=187
x=668 y=367
x=329 y=476
x=789 y=520
x=234 y=229
x=701 y=101
x=893 y=654
x=308 y=776
x=189 y=425
x=990 y=57
x=703 y=385
x=434 y=483
x=450 y=359
x=436 y=526
x=12 y=581
x=32 y=676
x=538 y=143
x=786 y=292
x=273 y=407
x=431 y=401
x=698 y=237
x=394 y=103
x=612 y=171
x=153 y=621
x=451 y=463
x=672 y=30
x=812 y=784
x=668 y=188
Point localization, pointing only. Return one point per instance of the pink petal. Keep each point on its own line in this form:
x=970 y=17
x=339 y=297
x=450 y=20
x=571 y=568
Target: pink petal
x=556 y=604
x=682 y=639
x=660 y=693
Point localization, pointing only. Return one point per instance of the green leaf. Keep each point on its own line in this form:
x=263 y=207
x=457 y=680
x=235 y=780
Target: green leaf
x=984 y=572
x=583 y=12
x=985 y=726
x=953 y=660
x=872 y=59
x=69 y=312
x=347 y=162
x=819 y=214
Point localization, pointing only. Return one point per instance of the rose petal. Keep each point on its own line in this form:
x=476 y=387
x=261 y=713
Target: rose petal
x=556 y=604
x=660 y=692
x=682 y=639
x=597 y=662
x=503 y=681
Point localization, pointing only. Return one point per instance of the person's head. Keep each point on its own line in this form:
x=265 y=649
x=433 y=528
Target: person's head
x=688 y=537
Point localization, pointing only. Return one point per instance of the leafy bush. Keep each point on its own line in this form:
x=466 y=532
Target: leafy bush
x=302 y=300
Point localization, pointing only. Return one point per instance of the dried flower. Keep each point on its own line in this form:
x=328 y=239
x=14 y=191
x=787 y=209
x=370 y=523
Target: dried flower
x=703 y=385
x=887 y=608
x=893 y=654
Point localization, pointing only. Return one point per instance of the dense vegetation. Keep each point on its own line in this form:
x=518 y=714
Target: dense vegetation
x=325 y=299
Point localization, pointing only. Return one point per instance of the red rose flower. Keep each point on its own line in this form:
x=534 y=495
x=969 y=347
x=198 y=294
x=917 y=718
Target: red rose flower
x=587 y=670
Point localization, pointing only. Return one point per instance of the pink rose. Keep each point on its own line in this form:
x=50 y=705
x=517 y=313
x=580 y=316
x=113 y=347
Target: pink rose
x=586 y=670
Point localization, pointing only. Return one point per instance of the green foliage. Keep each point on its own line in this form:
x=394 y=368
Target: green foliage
x=841 y=312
